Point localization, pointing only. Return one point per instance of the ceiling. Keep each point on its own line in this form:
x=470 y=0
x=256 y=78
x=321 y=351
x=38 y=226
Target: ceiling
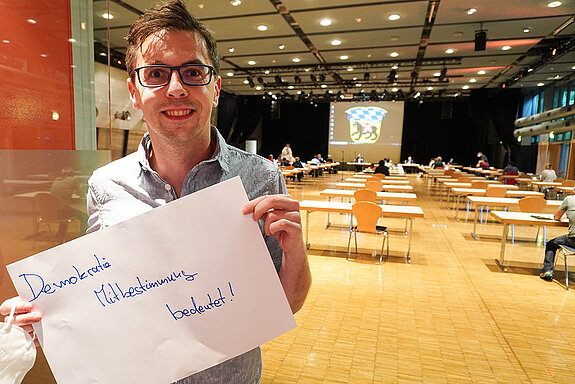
x=420 y=37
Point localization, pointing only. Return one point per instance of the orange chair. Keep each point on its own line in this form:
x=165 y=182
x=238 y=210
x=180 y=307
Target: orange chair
x=374 y=186
x=365 y=195
x=531 y=204
x=366 y=215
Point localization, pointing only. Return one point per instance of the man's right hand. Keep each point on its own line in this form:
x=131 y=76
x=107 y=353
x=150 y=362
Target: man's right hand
x=23 y=315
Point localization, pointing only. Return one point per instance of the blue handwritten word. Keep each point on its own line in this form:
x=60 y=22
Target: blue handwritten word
x=38 y=286
x=112 y=293
x=199 y=309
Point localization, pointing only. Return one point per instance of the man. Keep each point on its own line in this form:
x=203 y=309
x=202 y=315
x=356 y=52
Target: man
x=173 y=62
x=567 y=207
x=287 y=155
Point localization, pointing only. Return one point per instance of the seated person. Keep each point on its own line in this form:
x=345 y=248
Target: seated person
x=548 y=174
x=409 y=160
x=382 y=168
x=482 y=164
x=298 y=164
x=438 y=163
x=567 y=207
x=321 y=160
x=66 y=187
x=511 y=169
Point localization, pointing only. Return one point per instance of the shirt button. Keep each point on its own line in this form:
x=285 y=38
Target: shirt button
x=168 y=187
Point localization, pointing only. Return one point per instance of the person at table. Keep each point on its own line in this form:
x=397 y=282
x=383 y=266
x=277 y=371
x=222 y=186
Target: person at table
x=409 y=160
x=67 y=187
x=382 y=168
x=320 y=159
x=548 y=174
x=567 y=207
x=173 y=64
x=298 y=164
x=358 y=158
x=482 y=163
x=438 y=163
x=511 y=170
x=481 y=156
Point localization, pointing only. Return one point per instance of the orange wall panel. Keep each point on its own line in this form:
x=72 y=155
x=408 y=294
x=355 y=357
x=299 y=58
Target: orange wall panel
x=37 y=78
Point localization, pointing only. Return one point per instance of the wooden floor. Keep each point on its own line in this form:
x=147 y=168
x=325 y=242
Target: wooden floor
x=451 y=316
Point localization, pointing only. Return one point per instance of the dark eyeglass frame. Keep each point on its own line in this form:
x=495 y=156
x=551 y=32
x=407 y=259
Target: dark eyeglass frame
x=172 y=69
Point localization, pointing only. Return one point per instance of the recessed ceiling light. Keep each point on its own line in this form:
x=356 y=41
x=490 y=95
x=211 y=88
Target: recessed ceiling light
x=395 y=66
x=231 y=50
x=530 y=70
x=107 y=16
x=482 y=72
x=324 y=86
x=394 y=54
x=395 y=89
x=307 y=69
x=296 y=59
x=235 y=3
x=44 y=55
x=437 y=74
x=6 y=41
x=358 y=85
x=506 y=48
x=83 y=25
x=282 y=46
x=267 y=72
x=540 y=84
x=103 y=54
x=262 y=27
x=472 y=80
x=201 y=6
x=251 y=62
x=335 y=42
x=449 y=51
x=554 y=4
x=325 y=22
x=72 y=40
x=258 y=87
x=354 y=78
x=394 y=17
x=344 y=57
x=350 y=69
x=573 y=67
x=246 y=82
x=430 y=88
x=358 y=19
x=394 y=38
x=290 y=86
x=526 y=29
x=470 y=11
x=465 y=87
x=31 y=21
x=230 y=74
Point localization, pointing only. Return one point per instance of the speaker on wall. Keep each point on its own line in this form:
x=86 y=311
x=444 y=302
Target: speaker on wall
x=480 y=40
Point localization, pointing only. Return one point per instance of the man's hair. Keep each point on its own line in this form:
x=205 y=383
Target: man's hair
x=170 y=16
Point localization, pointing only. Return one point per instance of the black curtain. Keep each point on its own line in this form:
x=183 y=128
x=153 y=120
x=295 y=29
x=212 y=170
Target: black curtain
x=238 y=117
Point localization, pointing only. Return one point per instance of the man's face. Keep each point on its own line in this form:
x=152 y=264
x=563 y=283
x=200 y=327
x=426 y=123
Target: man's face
x=176 y=114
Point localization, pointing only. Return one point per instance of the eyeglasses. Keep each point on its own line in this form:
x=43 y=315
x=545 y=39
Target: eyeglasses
x=152 y=76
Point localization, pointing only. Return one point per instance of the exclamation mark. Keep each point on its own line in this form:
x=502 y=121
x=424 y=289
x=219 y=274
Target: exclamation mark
x=231 y=290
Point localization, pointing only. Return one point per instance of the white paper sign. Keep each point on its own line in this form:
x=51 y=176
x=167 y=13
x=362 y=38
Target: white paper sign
x=158 y=297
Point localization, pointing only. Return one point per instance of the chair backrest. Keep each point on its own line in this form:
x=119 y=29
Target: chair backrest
x=464 y=179
x=568 y=183
x=289 y=167
x=479 y=184
x=533 y=204
x=495 y=192
x=366 y=214
x=374 y=185
x=365 y=195
x=47 y=206
x=559 y=180
x=378 y=176
x=449 y=172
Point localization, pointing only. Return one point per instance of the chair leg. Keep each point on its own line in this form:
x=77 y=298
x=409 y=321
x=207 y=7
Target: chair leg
x=355 y=243
x=382 y=244
x=348 y=244
x=512 y=234
x=566 y=271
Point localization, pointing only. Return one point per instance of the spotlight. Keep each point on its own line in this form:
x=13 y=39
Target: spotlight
x=480 y=39
x=373 y=95
x=322 y=77
x=251 y=82
x=260 y=80
x=278 y=80
x=392 y=76
x=366 y=76
x=313 y=78
x=296 y=79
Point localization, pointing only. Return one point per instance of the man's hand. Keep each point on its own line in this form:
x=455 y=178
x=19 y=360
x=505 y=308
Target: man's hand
x=281 y=217
x=23 y=315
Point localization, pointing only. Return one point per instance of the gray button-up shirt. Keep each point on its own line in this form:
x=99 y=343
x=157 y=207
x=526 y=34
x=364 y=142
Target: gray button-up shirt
x=129 y=186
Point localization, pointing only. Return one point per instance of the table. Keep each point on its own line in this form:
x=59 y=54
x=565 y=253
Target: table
x=507 y=202
x=520 y=218
x=365 y=176
x=385 y=187
x=403 y=197
x=404 y=211
x=384 y=181
x=458 y=192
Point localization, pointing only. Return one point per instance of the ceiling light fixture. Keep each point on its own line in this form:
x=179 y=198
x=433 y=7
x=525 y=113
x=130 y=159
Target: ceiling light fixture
x=105 y=15
x=281 y=46
x=325 y=22
x=480 y=38
x=437 y=74
x=395 y=89
x=394 y=54
x=482 y=72
x=449 y=51
x=344 y=57
x=394 y=17
x=527 y=29
x=554 y=4
x=262 y=27
x=465 y=87
x=350 y=69
x=231 y=50
x=235 y=3
x=506 y=48
x=470 y=11
x=251 y=62
x=296 y=59
x=472 y=80
x=335 y=42
x=230 y=74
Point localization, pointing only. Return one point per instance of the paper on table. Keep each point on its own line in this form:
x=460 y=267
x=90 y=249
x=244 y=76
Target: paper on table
x=158 y=297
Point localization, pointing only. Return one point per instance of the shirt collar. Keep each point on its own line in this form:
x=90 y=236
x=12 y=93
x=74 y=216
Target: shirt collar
x=221 y=151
